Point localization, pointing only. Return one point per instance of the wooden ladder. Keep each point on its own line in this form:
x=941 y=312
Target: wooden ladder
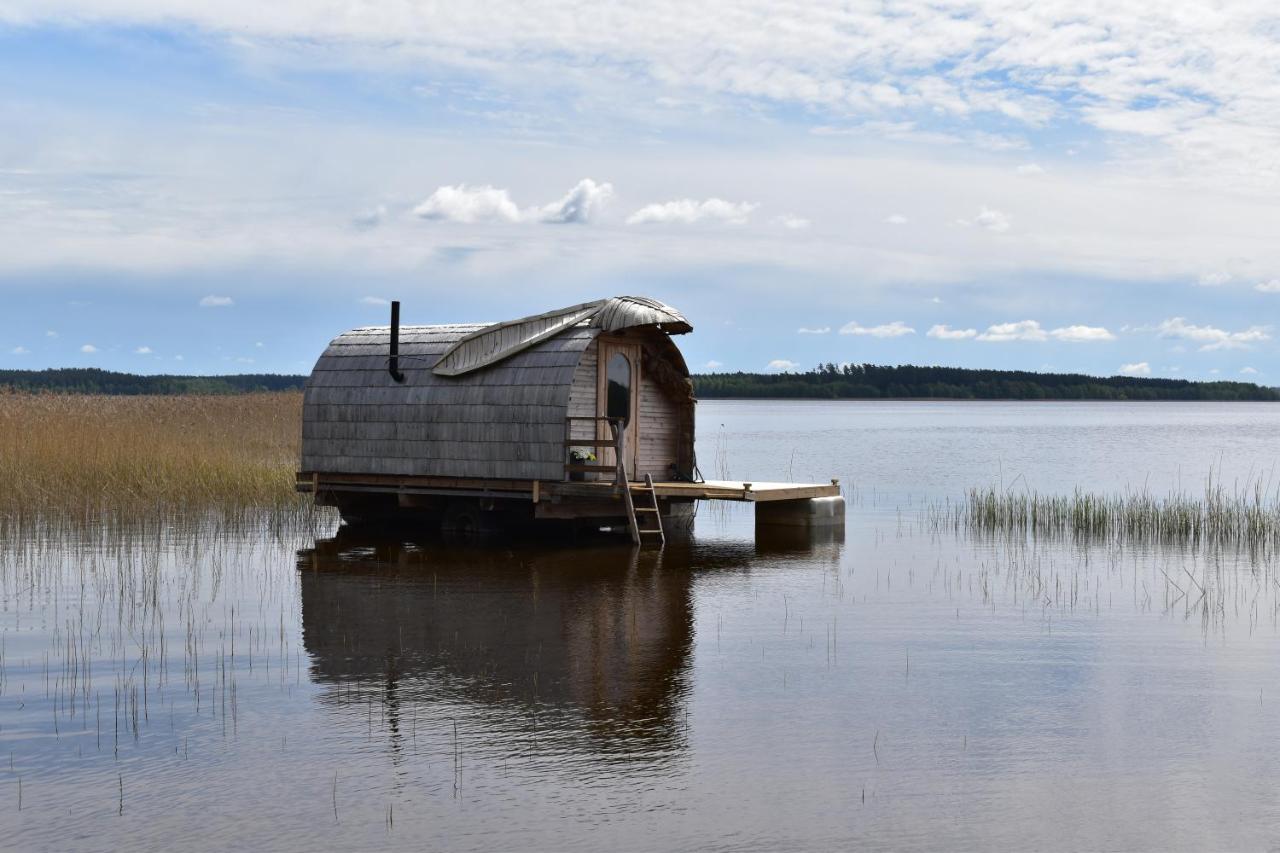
x=650 y=515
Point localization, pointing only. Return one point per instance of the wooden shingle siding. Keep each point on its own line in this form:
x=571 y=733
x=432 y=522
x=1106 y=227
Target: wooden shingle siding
x=439 y=450
x=470 y=394
x=389 y=431
x=315 y=414
x=495 y=376
x=505 y=421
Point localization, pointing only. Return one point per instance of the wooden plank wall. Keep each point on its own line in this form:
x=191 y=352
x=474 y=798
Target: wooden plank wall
x=662 y=419
x=659 y=431
x=582 y=403
x=582 y=394
x=666 y=426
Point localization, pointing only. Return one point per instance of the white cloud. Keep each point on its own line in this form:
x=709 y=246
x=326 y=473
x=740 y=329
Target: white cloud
x=712 y=365
x=687 y=211
x=1030 y=169
x=51 y=334
x=993 y=220
x=793 y=222
x=1032 y=331
x=1139 y=211
x=178 y=358
x=217 y=302
x=375 y=300
x=1249 y=371
x=1138 y=368
x=476 y=204
x=1023 y=330
x=370 y=218
x=259 y=344
x=782 y=364
x=88 y=348
x=1272 y=286
x=1082 y=334
x=142 y=351
x=896 y=329
x=1196 y=78
x=20 y=351
x=946 y=333
x=821 y=330
x=1214 y=279
x=468 y=205
x=896 y=219
x=1211 y=338
x=579 y=205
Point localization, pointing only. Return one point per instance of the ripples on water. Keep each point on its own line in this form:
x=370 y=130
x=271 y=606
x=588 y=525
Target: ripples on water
x=903 y=685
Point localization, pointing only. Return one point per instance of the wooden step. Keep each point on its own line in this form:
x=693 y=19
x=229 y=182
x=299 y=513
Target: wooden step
x=596 y=469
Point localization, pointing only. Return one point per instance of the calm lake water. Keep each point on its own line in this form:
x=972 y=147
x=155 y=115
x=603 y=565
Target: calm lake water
x=904 y=684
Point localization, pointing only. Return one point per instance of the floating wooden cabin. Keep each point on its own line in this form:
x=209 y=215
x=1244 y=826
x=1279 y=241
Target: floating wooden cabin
x=582 y=413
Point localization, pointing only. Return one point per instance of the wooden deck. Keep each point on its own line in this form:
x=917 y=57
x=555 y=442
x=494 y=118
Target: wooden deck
x=709 y=490
x=537 y=490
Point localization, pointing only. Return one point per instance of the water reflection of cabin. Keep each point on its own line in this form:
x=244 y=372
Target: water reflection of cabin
x=586 y=412
x=604 y=635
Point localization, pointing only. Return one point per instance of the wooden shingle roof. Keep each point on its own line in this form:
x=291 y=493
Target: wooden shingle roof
x=505 y=421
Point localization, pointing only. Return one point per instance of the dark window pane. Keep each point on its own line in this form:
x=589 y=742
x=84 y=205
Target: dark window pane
x=619 y=388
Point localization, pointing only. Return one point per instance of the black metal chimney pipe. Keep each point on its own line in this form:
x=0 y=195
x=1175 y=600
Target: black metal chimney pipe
x=393 y=363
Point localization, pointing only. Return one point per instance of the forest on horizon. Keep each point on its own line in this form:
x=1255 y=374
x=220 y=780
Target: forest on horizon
x=871 y=381
x=825 y=382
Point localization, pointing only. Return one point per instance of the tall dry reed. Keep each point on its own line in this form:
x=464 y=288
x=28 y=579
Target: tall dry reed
x=89 y=458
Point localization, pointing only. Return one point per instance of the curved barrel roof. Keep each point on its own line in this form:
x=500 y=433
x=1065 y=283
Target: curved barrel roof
x=507 y=421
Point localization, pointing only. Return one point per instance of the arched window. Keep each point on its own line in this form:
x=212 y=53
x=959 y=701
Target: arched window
x=619 y=388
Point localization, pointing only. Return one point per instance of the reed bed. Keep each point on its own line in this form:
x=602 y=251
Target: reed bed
x=88 y=459
x=1246 y=516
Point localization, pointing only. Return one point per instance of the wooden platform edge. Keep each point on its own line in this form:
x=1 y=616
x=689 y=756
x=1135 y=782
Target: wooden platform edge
x=310 y=482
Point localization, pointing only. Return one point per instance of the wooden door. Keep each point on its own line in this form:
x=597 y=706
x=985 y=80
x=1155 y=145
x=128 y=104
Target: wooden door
x=618 y=396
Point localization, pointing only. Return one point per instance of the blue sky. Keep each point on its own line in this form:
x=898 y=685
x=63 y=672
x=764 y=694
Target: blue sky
x=206 y=188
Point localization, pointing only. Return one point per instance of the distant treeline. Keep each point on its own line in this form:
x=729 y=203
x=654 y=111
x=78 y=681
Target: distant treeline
x=871 y=381
x=89 y=380
x=825 y=382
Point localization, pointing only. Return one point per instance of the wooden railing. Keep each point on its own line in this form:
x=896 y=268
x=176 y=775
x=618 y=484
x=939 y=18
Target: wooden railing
x=619 y=469
x=617 y=442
